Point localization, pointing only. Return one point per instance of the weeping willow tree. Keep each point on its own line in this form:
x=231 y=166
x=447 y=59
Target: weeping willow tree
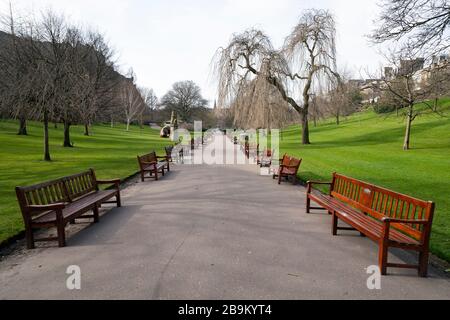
x=262 y=84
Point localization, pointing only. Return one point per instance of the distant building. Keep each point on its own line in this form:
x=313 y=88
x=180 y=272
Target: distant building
x=389 y=73
x=410 y=66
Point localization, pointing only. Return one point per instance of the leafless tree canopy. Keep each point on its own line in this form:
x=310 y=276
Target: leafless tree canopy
x=260 y=82
x=423 y=23
x=184 y=98
x=54 y=71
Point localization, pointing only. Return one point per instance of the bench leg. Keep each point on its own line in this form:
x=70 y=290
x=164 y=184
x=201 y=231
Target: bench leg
x=308 y=204
x=382 y=257
x=61 y=234
x=423 y=263
x=96 y=214
x=294 y=182
x=163 y=172
x=334 y=224
x=142 y=176
x=156 y=175
x=30 y=237
x=118 y=200
x=279 y=178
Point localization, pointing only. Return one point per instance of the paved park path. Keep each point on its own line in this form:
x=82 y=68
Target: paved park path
x=211 y=232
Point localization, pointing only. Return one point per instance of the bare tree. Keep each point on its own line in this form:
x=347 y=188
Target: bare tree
x=438 y=82
x=306 y=61
x=151 y=102
x=423 y=23
x=131 y=100
x=403 y=88
x=16 y=54
x=184 y=98
x=51 y=70
x=341 y=100
x=417 y=29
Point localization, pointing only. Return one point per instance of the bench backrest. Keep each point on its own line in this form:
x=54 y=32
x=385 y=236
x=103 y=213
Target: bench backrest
x=147 y=158
x=267 y=153
x=291 y=162
x=286 y=160
x=62 y=190
x=81 y=184
x=380 y=202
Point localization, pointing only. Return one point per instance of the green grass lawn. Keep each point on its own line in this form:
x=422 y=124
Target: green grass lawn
x=110 y=151
x=369 y=147
x=365 y=145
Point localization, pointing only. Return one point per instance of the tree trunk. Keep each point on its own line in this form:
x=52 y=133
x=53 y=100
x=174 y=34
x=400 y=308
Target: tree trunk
x=112 y=122
x=86 y=130
x=46 y=139
x=128 y=124
x=305 y=110
x=435 y=105
x=22 y=126
x=305 y=128
x=67 y=143
x=409 y=119
x=337 y=118
x=55 y=125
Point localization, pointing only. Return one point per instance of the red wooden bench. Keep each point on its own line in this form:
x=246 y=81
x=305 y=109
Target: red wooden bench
x=153 y=164
x=288 y=168
x=264 y=159
x=389 y=218
x=58 y=202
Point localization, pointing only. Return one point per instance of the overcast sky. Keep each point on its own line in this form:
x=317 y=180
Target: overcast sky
x=169 y=41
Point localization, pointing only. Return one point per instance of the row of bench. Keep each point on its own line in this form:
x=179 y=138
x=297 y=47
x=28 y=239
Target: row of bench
x=390 y=218
x=59 y=202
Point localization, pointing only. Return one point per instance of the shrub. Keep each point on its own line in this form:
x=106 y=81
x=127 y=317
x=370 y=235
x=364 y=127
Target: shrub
x=383 y=108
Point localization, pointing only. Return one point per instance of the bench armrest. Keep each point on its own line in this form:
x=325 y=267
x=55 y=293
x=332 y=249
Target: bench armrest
x=283 y=166
x=394 y=220
x=162 y=157
x=116 y=182
x=387 y=225
x=49 y=207
x=149 y=163
x=319 y=182
x=311 y=183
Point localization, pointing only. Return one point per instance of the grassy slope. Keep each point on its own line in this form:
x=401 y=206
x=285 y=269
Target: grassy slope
x=369 y=147
x=110 y=151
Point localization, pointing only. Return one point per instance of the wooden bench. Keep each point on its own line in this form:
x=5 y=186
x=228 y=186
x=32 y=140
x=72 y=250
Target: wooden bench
x=152 y=164
x=58 y=202
x=264 y=159
x=288 y=169
x=389 y=218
